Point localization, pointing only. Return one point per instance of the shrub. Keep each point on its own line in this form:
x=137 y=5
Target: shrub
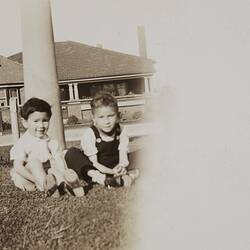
x=137 y=115
x=6 y=126
x=72 y=120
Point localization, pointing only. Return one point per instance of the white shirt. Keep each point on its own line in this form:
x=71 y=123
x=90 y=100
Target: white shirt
x=88 y=141
x=30 y=147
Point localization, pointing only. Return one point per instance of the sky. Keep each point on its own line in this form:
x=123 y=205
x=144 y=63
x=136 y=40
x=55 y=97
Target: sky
x=112 y=23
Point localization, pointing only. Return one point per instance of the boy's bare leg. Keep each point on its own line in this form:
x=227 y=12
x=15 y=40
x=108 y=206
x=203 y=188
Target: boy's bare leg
x=38 y=172
x=57 y=170
x=73 y=183
x=134 y=173
x=58 y=175
x=21 y=182
x=130 y=177
x=97 y=176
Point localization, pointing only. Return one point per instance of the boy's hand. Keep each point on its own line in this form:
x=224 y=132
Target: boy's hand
x=119 y=170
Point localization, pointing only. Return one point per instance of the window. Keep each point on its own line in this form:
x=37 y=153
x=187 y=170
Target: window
x=116 y=88
x=64 y=92
x=14 y=92
x=110 y=88
x=2 y=97
x=135 y=86
x=84 y=90
x=122 y=88
x=95 y=88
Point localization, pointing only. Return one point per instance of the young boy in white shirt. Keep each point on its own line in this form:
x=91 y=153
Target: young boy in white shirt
x=103 y=157
x=37 y=159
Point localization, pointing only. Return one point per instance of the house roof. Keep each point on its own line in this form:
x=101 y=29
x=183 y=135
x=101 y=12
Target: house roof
x=79 y=61
x=10 y=71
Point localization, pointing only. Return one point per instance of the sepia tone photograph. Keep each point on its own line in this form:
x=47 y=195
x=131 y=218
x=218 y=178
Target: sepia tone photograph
x=124 y=125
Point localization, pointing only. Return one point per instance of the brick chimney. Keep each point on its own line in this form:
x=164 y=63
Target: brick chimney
x=142 y=41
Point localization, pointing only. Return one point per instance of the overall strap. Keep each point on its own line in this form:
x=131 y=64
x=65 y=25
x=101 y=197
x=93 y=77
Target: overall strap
x=98 y=137
x=96 y=132
x=118 y=129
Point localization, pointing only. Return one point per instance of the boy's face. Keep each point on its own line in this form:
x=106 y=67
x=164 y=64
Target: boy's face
x=105 y=118
x=37 y=124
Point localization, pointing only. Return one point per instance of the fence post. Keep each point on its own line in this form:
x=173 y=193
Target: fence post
x=1 y=123
x=14 y=118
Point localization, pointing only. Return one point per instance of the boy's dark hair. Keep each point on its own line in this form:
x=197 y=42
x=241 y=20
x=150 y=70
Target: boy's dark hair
x=103 y=99
x=35 y=104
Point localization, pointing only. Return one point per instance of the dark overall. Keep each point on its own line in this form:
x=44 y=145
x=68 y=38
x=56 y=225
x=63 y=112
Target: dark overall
x=107 y=155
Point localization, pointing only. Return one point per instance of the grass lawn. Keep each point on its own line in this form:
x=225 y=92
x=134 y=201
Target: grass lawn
x=29 y=220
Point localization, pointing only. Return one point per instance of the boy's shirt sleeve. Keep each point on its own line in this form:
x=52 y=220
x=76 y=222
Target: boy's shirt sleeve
x=88 y=143
x=124 y=140
x=17 y=152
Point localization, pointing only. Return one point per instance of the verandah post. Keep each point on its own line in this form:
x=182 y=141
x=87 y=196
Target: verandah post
x=14 y=118
x=40 y=75
x=1 y=122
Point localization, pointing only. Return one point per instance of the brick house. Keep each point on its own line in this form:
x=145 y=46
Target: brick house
x=82 y=71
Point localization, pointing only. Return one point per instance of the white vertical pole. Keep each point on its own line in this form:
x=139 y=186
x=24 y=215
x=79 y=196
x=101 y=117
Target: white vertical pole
x=14 y=118
x=1 y=123
x=76 y=91
x=146 y=83
x=40 y=76
x=71 y=92
x=5 y=97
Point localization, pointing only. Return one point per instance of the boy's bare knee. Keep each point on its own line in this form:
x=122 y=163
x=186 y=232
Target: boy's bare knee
x=38 y=172
x=97 y=176
x=91 y=173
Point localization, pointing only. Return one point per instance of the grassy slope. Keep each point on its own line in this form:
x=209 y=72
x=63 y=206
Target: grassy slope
x=28 y=220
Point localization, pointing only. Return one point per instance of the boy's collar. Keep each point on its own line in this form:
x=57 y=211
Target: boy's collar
x=46 y=137
x=111 y=132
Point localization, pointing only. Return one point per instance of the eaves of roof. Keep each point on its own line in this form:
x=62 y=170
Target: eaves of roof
x=80 y=61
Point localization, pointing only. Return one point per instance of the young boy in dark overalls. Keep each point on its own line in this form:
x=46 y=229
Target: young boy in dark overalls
x=103 y=157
